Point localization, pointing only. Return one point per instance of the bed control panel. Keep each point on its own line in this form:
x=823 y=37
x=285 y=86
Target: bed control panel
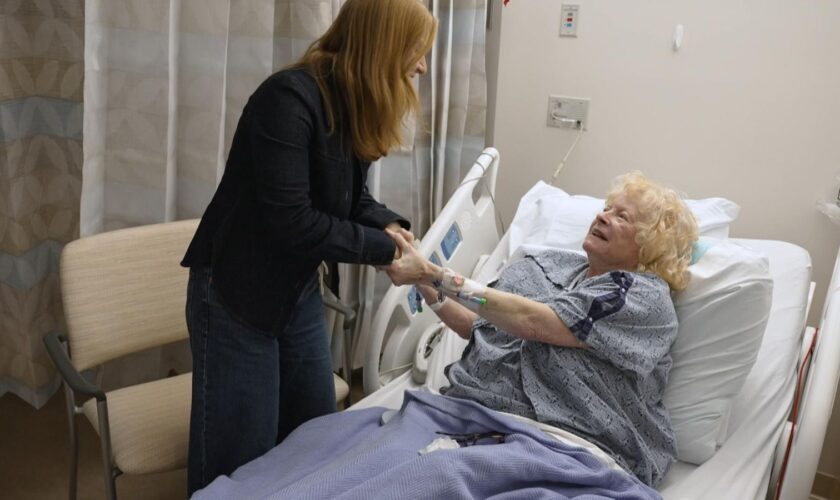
x=450 y=241
x=415 y=300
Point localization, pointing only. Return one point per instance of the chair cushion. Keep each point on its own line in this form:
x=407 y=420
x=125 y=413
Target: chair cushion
x=150 y=424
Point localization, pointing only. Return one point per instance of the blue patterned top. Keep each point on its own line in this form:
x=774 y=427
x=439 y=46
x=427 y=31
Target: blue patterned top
x=610 y=393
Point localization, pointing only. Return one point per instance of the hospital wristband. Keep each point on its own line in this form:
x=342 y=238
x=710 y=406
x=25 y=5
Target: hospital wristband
x=437 y=306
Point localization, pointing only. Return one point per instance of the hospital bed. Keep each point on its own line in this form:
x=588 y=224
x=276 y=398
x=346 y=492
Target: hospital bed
x=769 y=443
x=771 y=446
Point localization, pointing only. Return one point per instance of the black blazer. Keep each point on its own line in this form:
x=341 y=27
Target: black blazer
x=291 y=196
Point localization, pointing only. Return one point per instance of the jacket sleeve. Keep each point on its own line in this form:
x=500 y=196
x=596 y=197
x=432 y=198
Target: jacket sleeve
x=281 y=128
x=370 y=212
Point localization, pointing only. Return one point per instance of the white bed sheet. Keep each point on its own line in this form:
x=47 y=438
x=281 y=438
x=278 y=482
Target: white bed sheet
x=741 y=467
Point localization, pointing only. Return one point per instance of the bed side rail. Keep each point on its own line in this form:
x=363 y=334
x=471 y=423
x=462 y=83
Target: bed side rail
x=464 y=230
x=817 y=399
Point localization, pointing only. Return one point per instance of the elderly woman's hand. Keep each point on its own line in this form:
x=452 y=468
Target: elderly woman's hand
x=411 y=267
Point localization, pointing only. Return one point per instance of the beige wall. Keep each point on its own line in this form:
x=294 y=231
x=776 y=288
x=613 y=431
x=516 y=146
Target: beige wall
x=749 y=109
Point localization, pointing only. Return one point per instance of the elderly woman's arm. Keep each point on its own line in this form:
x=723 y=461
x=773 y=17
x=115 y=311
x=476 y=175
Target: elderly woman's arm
x=511 y=313
x=453 y=314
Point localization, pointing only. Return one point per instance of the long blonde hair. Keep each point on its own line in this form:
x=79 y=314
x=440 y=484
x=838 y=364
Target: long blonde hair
x=362 y=66
x=665 y=228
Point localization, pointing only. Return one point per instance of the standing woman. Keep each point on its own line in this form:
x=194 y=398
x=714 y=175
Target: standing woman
x=293 y=195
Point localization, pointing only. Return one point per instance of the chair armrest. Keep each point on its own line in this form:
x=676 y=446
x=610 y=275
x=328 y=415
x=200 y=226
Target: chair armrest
x=70 y=375
x=347 y=311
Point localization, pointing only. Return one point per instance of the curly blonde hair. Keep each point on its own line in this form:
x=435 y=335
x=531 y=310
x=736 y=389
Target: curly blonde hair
x=665 y=227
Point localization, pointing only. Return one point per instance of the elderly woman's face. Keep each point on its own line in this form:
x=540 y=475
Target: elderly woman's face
x=611 y=241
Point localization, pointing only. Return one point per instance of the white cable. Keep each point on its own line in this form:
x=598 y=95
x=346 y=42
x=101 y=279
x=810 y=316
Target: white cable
x=568 y=153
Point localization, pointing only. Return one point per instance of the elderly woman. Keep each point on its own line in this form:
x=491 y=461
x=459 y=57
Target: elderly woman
x=578 y=342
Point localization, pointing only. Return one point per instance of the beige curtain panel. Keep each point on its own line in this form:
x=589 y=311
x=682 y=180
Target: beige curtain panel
x=41 y=75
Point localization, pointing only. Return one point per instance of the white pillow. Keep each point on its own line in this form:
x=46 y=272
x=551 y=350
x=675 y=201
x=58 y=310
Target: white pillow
x=722 y=317
x=549 y=216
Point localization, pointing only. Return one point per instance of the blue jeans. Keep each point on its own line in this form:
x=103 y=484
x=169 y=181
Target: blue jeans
x=251 y=388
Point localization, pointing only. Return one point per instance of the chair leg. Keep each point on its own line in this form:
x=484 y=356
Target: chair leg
x=74 y=440
x=105 y=442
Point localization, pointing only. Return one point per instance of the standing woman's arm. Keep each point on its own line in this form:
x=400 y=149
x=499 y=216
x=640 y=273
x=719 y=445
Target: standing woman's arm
x=281 y=129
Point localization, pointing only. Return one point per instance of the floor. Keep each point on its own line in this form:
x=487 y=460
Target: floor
x=825 y=488
x=35 y=457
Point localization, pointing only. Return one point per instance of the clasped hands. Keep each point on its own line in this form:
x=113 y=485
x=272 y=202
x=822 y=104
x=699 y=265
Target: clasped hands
x=409 y=266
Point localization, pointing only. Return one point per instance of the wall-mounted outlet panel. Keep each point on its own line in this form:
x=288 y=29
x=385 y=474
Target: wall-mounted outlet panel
x=569 y=21
x=568 y=112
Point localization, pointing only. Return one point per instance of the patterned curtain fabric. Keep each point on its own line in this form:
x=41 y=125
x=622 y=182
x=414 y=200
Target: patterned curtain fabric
x=41 y=73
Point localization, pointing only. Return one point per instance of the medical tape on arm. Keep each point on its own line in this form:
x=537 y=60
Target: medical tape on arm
x=466 y=291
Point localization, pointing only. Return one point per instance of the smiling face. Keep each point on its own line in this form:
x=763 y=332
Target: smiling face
x=611 y=241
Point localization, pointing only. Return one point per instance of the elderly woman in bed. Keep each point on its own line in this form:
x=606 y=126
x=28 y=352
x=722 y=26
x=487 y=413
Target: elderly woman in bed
x=578 y=342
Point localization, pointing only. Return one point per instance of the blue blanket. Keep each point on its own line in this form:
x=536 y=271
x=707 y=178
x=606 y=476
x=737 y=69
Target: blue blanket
x=351 y=455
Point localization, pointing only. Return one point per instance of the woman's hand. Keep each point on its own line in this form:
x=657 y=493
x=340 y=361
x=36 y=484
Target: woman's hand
x=411 y=267
x=407 y=235
x=395 y=227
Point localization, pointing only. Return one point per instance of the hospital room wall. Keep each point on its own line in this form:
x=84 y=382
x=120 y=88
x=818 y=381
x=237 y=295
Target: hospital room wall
x=747 y=109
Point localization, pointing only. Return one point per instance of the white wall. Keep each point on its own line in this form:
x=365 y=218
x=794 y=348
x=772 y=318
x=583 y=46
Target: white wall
x=749 y=109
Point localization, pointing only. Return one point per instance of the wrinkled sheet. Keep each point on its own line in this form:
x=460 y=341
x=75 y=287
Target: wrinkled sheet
x=354 y=455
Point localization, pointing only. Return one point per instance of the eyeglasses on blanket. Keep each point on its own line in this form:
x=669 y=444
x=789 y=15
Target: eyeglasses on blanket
x=473 y=439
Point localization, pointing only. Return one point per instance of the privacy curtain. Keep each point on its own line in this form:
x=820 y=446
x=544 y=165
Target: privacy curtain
x=41 y=70
x=166 y=81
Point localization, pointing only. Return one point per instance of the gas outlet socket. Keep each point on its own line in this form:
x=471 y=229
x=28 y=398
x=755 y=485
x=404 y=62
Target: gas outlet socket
x=569 y=21
x=568 y=112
